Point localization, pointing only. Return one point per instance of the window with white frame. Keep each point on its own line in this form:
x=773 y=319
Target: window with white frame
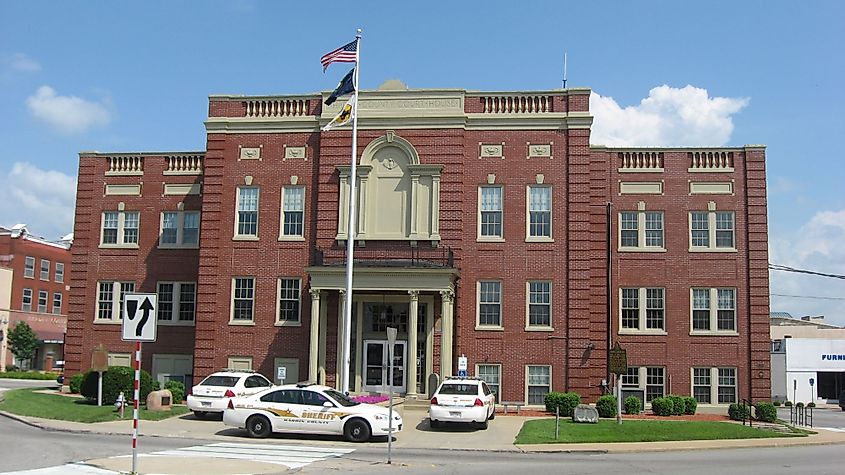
x=120 y=228
x=179 y=229
x=293 y=211
x=110 y=299
x=631 y=378
x=177 y=302
x=289 y=299
x=723 y=392
x=57 y=303
x=29 y=267
x=45 y=269
x=490 y=303
x=243 y=299
x=539 y=212
x=490 y=210
x=492 y=375
x=641 y=230
x=539 y=383
x=26 y=302
x=642 y=310
x=43 y=295
x=706 y=317
x=540 y=304
x=247 y=206
x=712 y=230
x=60 y=272
x=650 y=379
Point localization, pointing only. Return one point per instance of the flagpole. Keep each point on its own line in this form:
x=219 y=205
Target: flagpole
x=350 y=232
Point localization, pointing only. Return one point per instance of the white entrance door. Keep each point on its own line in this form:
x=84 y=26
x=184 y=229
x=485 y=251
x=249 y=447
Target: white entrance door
x=376 y=367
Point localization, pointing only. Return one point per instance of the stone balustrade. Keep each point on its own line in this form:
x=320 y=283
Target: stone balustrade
x=125 y=165
x=266 y=107
x=711 y=160
x=641 y=161
x=184 y=164
x=516 y=104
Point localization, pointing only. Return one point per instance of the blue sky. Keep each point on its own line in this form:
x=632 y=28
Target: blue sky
x=130 y=76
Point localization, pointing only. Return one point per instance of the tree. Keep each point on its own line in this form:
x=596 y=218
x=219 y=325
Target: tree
x=22 y=341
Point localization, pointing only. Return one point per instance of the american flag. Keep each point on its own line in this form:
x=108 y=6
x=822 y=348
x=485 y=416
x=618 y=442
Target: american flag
x=344 y=54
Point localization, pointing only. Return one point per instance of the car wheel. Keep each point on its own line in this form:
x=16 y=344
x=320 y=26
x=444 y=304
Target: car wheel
x=434 y=424
x=485 y=424
x=200 y=414
x=493 y=414
x=258 y=427
x=357 y=430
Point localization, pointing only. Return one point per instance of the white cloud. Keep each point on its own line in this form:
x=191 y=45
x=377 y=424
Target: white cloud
x=44 y=200
x=23 y=63
x=668 y=117
x=68 y=114
x=815 y=246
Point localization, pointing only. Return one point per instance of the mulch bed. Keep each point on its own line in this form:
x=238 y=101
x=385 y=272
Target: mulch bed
x=643 y=416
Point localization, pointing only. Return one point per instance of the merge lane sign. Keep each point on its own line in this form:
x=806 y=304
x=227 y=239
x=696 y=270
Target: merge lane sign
x=139 y=317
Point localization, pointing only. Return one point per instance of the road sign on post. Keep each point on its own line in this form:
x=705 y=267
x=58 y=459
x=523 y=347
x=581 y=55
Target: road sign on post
x=100 y=364
x=618 y=365
x=139 y=317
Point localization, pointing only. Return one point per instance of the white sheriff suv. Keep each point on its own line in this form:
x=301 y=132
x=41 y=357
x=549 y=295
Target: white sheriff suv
x=213 y=393
x=309 y=409
x=466 y=400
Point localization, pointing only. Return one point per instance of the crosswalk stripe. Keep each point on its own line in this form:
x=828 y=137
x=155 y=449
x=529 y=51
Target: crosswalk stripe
x=293 y=456
x=67 y=469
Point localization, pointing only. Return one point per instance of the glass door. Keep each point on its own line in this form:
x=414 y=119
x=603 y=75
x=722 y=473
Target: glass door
x=377 y=370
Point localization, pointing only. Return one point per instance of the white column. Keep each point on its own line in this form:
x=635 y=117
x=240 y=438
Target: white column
x=435 y=207
x=414 y=203
x=446 y=299
x=412 y=343
x=314 y=348
x=343 y=205
x=363 y=180
x=341 y=313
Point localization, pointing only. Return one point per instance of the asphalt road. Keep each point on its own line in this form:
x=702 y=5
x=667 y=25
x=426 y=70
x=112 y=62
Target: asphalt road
x=26 y=383
x=822 y=417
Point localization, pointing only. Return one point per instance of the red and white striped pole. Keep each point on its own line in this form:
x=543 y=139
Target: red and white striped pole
x=135 y=409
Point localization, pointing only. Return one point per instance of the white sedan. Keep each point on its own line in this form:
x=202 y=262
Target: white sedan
x=211 y=395
x=462 y=400
x=309 y=409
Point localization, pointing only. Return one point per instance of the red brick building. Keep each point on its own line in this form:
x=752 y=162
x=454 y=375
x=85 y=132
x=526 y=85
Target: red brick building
x=34 y=289
x=482 y=231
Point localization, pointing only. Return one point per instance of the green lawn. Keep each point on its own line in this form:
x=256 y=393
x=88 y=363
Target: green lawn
x=27 y=402
x=542 y=431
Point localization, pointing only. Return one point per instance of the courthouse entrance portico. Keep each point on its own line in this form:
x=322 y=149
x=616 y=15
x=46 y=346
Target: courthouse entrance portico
x=414 y=300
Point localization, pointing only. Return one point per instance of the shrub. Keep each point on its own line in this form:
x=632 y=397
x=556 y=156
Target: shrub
x=662 y=406
x=800 y=404
x=776 y=403
x=678 y=405
x=739 y=412
x=32 y=375
x=788 y=404
x=177 y=389
x=115 y=380
x=633 y=405
x=766 y=412
x=76 y=383
x=811 y=404
x=565 y=401
x=690 y=405
x=156 y=386
x=606 y=406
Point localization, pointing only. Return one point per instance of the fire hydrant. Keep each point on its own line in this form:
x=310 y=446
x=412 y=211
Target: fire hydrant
x=120 y=403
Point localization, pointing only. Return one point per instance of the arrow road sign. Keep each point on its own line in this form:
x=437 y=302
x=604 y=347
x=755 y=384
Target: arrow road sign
x=139 y=317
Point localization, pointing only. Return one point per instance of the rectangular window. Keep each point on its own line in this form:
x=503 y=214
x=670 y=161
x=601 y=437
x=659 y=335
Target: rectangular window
x=289 y=298
x=490 y=225
x=492 y=375
x=635 y=316
x=26 y=302
x=700 y=229
x=654 y=309
x=293 y=211
x=540 y=304
x=120 y=228
x=631 y=309
x=725 y=229
x=629 y=230
x=709 y=318
x=490 y=303
x=243 y=298
x=29 y=267
x=727 y=385
x=42 y=301
x=176 y=301
x=45 y=269
x=179 y=229
x=654 y=383
x=60 y=272
x=247 y=224
x=539 y=384
x=539 y=211
x=654 y=229
x=701 y=385
x=632 y=377
x=110 y=299
x=57 y=303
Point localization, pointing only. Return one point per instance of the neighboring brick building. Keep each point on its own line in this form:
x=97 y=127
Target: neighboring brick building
x=37 y=292
x=482 y=232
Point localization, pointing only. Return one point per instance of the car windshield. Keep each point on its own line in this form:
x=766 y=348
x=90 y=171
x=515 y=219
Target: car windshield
x=459 y=389
x=341 y=398
x=223 y=381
